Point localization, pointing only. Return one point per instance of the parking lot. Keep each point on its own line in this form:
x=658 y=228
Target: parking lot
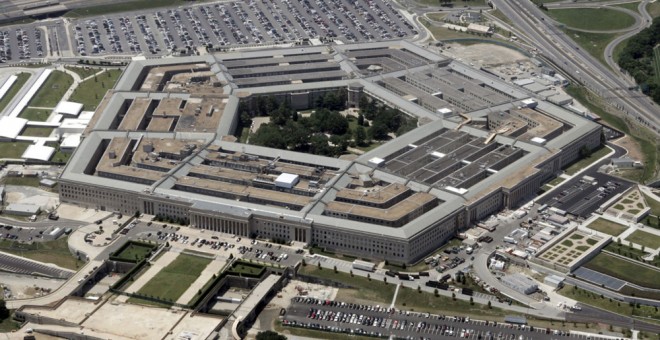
x=580 y=197
x=216 y=243
x=382 y=321
x=185 y=29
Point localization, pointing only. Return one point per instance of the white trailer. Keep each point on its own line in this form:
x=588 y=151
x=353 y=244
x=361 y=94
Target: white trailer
x=364 y=265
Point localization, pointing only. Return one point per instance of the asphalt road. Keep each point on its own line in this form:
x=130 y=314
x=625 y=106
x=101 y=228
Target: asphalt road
x=592 y=314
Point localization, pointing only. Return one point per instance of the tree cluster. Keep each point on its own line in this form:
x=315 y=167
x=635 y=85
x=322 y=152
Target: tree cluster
x=325 y=132
x=641 y=59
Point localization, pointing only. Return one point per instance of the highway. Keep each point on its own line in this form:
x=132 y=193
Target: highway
x=557 y=47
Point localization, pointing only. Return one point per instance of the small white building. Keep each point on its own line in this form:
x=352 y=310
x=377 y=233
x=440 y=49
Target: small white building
x=481 y=29
x=22 y=209
x=287 y=181
x=11 y=127
x=38 y=152
x=67 y=108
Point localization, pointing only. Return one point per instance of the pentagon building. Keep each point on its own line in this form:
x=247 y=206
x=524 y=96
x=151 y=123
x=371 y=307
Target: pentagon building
x=161 y=143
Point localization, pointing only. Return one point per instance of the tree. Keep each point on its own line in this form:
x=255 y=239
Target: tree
x=453 y=296
x=270 y=335
x=472 y=300
x=360 y=120
x=385 y=279
x=369 y=277
x=304 y=263
x=360 y=136
x=378 y=131
x=490 y=305
x=335 y=269
x=4 y=312
x=436 y=293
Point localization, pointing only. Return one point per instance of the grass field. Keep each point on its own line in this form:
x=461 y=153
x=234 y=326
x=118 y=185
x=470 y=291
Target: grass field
x=556 y=181
x=134 y=251
x=83 y=72
x=378 y=292
x=585 y=162
x=52 y=90
x=22 y=181
x=656 y=59
x=645 y=239
x=630 y=5
x=615 y=306
x=595 y=19
x=641 y=135
x=653 y=9
x=626 y=270
x=91 y=91
x=56 y=252
x=37 y=131
x=593 y=43
x=13 y=149
x=124 y=7
x=36 y=115
x=171 y=282
x=8 y=325
x=22 y=78
x=607 y=227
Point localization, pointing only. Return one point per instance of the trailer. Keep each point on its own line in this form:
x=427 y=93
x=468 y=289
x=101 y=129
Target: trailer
x=364 y=265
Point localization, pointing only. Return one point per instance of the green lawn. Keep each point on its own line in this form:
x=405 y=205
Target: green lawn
x=653 y=204
x=124 y=7
x=83 y=71
x=56 y=252
x=378 y=292
x=8 y=325
x=52 y=90
x=596 y=19
x=585 y=162
x=13 y=149
x=630 y=5
x=593 y=43
x=607 y=227
x=641 y=135
x=37 y=131
x=556 y=181
x=36 y=115
x=626 y=270
x=367 y=290
x=411 y=299
x=436 y=16
x=643 y=238
x=172 y=281
x=653 y=9
x=134 y=251
x=22 y=78
x=22 y=181
x=593 y=299
x=59 y=156
x=91 y=91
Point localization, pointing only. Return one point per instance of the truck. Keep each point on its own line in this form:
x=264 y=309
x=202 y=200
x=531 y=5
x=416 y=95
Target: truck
x=364 y=265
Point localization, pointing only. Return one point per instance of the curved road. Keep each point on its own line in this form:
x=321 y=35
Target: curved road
x=609 y=49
